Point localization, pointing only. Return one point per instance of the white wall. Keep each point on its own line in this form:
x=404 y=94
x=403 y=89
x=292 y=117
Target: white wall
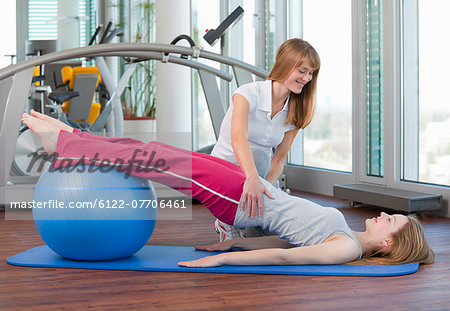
x=173 y=82
x=8 y=26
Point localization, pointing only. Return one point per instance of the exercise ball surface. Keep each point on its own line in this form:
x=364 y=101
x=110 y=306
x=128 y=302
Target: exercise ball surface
x=94 y=215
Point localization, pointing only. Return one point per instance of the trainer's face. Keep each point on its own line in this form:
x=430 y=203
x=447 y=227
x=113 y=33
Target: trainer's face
x=299 y=76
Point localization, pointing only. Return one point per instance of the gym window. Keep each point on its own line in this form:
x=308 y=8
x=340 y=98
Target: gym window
x=425 y=114
x=327 y=142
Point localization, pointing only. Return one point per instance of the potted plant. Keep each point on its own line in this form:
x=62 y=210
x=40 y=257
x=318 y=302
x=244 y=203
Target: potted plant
x=137 y=18
x=138 y=100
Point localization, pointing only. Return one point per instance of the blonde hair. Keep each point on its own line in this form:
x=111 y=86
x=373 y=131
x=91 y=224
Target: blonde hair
x=290 y=55
x=408 y=245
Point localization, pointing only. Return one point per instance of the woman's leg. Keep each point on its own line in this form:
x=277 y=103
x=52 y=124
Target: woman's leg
x=225 y=163
x=116 y=140
x=216 y=186
x=63 y=126
x=119 y=140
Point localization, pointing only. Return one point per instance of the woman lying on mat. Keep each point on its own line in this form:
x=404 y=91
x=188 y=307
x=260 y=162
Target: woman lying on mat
x=307 y=232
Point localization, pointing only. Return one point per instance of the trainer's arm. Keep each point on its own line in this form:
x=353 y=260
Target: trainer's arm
x=336 y=252
x=277 y=163
x=253 y=187
x=239 y=136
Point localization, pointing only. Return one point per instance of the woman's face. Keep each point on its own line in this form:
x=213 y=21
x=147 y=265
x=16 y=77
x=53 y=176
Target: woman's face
x=299 y=76
x=385 y=225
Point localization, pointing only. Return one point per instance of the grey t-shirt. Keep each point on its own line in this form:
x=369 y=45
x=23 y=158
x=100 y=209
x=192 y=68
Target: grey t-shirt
x=299 y=221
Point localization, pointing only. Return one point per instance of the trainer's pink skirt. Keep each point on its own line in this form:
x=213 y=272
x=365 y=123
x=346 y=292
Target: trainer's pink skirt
x=214 y=182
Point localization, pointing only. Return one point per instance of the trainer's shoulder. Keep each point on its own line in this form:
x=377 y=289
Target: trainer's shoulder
x=253 y=88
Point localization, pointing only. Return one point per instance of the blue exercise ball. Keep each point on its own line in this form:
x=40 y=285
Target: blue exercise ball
x=94 y=213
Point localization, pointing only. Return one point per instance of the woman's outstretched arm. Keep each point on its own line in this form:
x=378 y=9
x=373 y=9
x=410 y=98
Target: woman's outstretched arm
x=338 y=251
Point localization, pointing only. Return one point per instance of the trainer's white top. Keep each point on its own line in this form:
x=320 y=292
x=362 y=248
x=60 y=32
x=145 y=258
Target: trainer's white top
x=299 y=221
x=264 y=133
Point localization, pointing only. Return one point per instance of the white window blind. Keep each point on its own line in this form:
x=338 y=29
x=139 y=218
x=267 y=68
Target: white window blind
x=83 y=13
x=40 y=12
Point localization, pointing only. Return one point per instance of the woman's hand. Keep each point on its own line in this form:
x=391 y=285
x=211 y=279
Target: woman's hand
x=217 y=247
x=252 y=192
x=209 y=261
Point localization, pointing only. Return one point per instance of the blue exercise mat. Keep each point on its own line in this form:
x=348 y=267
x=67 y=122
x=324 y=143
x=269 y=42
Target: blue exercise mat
x=165 y=258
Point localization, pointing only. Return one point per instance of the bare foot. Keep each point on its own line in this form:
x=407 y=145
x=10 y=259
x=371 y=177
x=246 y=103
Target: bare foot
x=55 y=122
x=47 y=132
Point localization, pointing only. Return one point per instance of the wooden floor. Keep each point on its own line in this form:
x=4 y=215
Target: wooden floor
x=70 y=289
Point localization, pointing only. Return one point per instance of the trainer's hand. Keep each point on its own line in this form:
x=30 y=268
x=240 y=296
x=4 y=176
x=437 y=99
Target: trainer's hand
x=252 y=193
x=216 y=247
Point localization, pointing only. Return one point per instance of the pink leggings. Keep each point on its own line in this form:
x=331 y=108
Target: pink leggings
x=214 y=182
